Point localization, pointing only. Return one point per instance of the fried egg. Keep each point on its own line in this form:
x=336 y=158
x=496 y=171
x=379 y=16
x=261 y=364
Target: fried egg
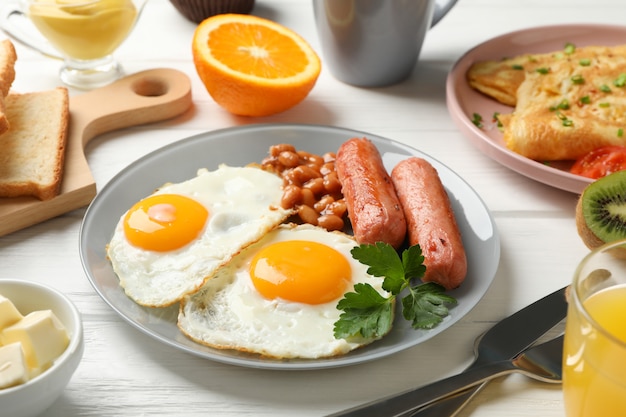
x=168 y=244
x=278 y=297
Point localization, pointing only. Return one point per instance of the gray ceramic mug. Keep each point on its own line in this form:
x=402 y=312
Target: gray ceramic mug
x=372 y=43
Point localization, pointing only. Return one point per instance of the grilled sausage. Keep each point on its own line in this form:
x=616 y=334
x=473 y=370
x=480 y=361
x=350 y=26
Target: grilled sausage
x=431 y=221
x=373 y=207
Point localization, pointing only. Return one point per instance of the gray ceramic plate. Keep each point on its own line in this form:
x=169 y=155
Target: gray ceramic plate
x=242 y=145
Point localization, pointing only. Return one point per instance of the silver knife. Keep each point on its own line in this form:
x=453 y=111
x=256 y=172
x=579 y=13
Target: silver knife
x=505 y=340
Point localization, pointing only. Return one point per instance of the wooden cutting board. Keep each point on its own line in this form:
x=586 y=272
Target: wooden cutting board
x=145 y=97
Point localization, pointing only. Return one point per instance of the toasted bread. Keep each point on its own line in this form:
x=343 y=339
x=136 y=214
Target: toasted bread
x=7 y=75
x=33 y=149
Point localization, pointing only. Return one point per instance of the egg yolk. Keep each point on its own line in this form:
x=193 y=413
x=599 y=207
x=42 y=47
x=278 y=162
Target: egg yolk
x=164 y=222
x=300 y=271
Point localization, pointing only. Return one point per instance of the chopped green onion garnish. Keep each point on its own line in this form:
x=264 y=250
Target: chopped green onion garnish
x=585 y=62
x=585 y=100
x=495 y=119
x=620 y=81
x=517 y=67
x=620 y=132
x=543 y=70
x=569 y=48
x=605 y=88
x=578 y=79
x=604 y=104
x=566 y=122
x=477 y=119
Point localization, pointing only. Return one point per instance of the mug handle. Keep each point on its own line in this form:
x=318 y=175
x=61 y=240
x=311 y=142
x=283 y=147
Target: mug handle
x=441 y=9
x=10 y=14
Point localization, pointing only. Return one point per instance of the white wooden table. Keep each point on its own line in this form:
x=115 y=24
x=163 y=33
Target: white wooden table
x=126 y=373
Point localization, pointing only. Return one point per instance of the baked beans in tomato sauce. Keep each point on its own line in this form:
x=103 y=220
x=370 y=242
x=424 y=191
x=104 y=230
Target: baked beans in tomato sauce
x=311 y=186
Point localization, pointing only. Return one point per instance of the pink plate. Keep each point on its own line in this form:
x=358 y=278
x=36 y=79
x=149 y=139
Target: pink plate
x=463 y=101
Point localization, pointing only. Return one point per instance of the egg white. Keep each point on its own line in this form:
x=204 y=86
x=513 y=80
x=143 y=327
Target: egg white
x=243 y=205
x=228 y=312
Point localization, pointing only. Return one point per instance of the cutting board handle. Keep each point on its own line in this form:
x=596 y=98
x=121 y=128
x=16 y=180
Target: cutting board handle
x=145 y=97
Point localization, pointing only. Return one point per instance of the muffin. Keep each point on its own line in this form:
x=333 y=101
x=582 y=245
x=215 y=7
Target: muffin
x=198 y=10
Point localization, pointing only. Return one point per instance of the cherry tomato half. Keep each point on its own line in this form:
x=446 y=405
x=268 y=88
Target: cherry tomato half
x=601 y=162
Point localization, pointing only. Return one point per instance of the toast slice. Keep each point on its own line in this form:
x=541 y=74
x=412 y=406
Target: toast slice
x=7 y=75
x=33 y=149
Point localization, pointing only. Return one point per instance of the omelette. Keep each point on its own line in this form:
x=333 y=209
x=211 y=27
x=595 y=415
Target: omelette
x=567 y=103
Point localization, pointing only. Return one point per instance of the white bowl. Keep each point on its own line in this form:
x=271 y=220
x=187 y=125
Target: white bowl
x=36 y=395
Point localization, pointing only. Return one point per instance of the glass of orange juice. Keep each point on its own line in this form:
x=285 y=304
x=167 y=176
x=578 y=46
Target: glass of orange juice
x=84 y=33
x=594 y=356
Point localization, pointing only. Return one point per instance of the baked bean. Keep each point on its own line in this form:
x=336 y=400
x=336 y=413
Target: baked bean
x=308 y=198
x=338 y=208
x=307 y=214
x=332 y=183
x=275 y=150
x=323 y=202
x=327 y=168
x=330 y=222
x=292 y=196
x=316 y=185
x=310 y=159
x=301 y=174
x=289 y=159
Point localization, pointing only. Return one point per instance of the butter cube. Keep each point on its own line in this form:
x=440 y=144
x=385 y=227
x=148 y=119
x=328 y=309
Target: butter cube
x=42 y=335
x=13 y=370
x=8 y=313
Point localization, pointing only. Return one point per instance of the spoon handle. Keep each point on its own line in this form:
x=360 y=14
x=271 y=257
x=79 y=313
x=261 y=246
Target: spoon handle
x=449 y=406
x=400 y=404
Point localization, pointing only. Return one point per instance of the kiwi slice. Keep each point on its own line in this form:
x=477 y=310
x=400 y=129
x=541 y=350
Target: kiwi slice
x=601 y=210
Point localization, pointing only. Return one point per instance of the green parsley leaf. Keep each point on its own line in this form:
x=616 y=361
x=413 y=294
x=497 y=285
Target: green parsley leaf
x=365 y=313
x=383 y=261
x=425 y=306
x=368 y=314
x=413 y=262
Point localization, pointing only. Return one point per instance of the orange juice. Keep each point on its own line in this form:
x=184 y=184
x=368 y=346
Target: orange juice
x=85 y=30
x=594 y=363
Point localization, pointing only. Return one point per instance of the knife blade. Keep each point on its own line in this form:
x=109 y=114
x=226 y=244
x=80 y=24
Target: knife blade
x=556 y=309
x=505 y=340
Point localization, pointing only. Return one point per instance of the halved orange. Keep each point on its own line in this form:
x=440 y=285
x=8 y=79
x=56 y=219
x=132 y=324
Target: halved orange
x=253 y=66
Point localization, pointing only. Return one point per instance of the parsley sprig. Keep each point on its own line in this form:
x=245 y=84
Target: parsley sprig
x=369 y=314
